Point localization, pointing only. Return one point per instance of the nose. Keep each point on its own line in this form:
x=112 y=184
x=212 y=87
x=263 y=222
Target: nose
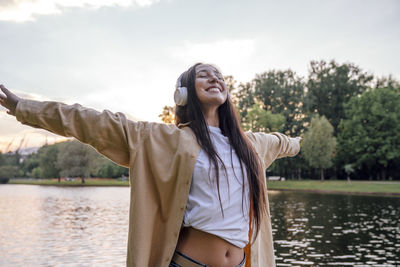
x=213 y=78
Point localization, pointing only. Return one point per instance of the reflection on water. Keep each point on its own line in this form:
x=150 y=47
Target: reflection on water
x=88 y=226
x=63 y=226
x=319 y=229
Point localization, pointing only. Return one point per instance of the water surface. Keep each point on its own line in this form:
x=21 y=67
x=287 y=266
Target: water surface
x=63 y=226
x=88 y=226
x=321 y=229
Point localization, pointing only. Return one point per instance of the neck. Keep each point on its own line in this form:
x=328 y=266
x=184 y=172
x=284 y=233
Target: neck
x=211 y=116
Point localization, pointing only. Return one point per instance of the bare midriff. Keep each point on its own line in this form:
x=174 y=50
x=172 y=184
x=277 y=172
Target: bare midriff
x=208 y=249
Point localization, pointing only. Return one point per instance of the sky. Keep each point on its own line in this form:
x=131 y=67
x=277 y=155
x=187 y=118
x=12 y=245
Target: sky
x=125 y=55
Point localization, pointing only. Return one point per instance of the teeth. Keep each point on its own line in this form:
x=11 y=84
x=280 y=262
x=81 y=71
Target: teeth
x=214 y=89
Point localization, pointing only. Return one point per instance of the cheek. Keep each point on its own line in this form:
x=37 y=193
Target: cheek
x=226 y=91
x=198 y=86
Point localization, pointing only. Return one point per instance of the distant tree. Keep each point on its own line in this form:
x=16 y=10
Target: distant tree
x=282 y=92
x=243 y=98
x=37 y=172
x=278 y=92
x=2 y=159
x=12 y=158
x=73 y=160
x=319 y=144
x=47 y=159
x=369 y=136
x=7 y=172
x=112 y=170
x=230 y=83
x=167 y=115
x=387 y=82
x=260 y=120
x=348 y=168
x=331 y=85
x=30 y=163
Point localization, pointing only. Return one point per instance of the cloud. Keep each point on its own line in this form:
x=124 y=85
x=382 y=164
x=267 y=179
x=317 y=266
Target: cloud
x=219 y=51
x=230 y=55
x=28 y=138
x=27 y=10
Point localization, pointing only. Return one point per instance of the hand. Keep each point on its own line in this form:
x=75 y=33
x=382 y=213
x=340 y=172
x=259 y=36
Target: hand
x=8 y=100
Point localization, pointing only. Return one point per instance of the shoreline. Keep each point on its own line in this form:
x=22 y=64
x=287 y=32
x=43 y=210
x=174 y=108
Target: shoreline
x=374 y=188
x=371 y=188
x=378 y=194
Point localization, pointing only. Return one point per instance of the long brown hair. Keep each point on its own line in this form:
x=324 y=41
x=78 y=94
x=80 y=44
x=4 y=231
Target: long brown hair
x=230 y=127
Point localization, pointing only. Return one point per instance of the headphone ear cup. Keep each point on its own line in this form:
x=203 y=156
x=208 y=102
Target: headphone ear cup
x=181 y=96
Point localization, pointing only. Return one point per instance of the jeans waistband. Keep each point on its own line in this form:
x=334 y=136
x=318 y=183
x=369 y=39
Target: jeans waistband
x=181 y=260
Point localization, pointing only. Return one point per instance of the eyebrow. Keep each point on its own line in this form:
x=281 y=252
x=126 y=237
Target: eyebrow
x=207 y=71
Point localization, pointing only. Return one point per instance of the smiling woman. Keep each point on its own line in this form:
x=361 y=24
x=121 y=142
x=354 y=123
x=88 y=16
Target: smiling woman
x=198 y=194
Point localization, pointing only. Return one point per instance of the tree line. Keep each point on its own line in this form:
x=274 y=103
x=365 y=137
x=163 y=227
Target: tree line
x=66 y=159
x=349 y=119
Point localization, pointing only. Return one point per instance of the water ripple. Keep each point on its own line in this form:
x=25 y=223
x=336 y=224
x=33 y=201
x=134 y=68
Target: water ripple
x=336 y=229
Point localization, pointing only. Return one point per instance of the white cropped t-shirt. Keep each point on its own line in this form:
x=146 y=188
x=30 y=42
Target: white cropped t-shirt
x=203 y=210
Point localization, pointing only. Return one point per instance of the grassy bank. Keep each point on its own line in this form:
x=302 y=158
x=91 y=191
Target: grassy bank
x=365 y=187
x=76 y=182
x=356 y=187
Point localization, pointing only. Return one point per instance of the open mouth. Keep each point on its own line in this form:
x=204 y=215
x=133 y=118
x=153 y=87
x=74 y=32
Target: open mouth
x=213 y=89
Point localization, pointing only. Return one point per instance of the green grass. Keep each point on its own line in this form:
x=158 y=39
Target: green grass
x=373 y=187
x=76 y=182
x=356 y=187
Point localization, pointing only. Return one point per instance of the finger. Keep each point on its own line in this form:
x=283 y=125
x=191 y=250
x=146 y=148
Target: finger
x=4 y=89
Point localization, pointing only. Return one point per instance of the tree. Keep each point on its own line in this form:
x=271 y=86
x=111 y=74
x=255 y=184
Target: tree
x=11 y=158
x=331 y=85
x=348 y=168
x=282 y=92
x=369 y=136
x=167 y=115
x=30 y=163
x=47 y=159
x=260 y=120
x=387 y=82
x=7 y=172
x=73 y=160
x=243 y=99
x=319 y=144
x=2 y=159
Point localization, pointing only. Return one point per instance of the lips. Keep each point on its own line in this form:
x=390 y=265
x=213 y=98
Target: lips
x=213 y=88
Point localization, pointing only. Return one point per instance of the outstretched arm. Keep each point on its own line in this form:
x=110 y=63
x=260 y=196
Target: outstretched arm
x=112 y=134
x=275 y=145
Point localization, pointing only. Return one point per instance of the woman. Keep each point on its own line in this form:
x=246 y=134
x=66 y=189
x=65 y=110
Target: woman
x=197 y=187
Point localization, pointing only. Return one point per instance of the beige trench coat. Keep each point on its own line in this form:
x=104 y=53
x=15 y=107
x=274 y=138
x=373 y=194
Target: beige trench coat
x=161 y=159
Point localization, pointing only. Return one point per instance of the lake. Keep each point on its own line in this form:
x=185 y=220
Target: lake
x=88 y=226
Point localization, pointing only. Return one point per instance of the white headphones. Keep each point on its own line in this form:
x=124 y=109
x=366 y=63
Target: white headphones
x=181 y=93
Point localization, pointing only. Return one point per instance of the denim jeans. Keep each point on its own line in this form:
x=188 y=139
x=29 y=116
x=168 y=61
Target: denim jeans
x=173 y=264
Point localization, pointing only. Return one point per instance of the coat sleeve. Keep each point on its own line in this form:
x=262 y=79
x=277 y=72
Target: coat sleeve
x=111 y=134
x=276 y=145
